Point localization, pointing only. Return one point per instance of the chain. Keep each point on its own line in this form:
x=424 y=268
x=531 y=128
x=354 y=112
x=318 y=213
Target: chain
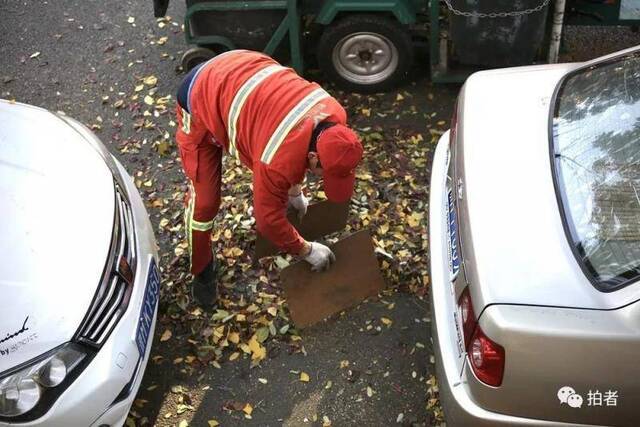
x=496 y=14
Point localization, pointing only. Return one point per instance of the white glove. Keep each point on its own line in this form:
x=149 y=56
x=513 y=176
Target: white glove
x=300 y=204
x=320 y=257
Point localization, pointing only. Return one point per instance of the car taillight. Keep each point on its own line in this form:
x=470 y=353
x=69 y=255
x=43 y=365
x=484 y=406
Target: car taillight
x=468 y=316
x=487 y=358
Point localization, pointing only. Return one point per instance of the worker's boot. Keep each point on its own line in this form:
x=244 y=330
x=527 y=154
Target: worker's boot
x=204 y=287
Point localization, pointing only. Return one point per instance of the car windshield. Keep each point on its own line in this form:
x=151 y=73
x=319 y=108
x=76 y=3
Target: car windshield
x=596 y=136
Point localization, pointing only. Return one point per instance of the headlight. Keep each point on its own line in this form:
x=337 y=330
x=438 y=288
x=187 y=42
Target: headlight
x=21 y=391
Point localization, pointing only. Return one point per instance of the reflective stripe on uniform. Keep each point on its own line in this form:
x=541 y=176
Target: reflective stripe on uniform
x=215 y=58
x=191 y=224
x=188 y=219
x=201 y=226
x=291 y=119
x=241 y=97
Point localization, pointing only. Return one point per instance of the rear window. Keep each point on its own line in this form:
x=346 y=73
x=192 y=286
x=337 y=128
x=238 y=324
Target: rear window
x=596 y=146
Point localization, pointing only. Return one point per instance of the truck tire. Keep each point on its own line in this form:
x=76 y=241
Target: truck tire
x=365 y=53
x=195 y=56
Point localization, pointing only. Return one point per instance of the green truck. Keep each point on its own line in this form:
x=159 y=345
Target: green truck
x=369 y=45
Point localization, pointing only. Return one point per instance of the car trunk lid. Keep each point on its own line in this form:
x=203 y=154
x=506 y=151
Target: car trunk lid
x=513 y=241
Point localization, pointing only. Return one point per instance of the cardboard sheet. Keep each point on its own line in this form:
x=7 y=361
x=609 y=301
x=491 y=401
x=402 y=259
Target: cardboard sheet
x=321 y=219
x=355 y=276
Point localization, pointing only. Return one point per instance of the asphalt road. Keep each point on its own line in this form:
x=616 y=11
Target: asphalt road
x=88 y=60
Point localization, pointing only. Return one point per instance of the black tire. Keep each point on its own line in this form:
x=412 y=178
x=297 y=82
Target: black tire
x=195 y=56
x=391 y=37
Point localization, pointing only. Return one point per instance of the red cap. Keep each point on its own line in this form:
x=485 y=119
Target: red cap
x=339 y=151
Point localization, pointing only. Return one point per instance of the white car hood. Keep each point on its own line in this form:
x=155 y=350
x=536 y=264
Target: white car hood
x=57 y=206
x=514 y=245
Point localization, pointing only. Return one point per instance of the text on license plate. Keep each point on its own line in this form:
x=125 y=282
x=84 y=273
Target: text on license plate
x=452 y=220
x=149 y=303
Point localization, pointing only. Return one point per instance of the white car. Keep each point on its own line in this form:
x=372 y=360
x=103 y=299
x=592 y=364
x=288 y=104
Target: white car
x=79 y=281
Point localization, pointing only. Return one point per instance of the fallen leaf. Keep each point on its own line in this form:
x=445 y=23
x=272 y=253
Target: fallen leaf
x=234 y=337
x=304 y=377
x=150 y=80
x=262 y=334
x=258 y=352
x=248 y=409
x=166 y=335
x=213 y=423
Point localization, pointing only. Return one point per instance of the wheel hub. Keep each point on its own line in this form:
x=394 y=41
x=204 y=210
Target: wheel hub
x=365 y=58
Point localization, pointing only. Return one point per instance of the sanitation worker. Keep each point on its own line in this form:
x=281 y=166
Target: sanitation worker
x=280 y=126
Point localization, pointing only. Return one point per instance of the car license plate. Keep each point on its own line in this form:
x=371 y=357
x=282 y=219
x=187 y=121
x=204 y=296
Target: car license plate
x=452 y=220
x=149 y=303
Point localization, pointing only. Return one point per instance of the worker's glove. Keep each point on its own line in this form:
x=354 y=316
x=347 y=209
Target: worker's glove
x=320 y=257
x=300 y=204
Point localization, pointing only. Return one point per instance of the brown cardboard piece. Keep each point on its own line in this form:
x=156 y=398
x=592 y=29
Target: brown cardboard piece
x=313 y=296
x=321 y=219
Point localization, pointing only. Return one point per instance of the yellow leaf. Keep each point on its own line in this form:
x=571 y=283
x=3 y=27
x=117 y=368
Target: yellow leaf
x=150 y=80
x=148 y=100
x=304 y=377
x=166 y=335
x=213 y=423
x=248 y=409
x=234 y=337
x=386 y=321
x=272 y=311
x=414 y=219
x=138 y=88
x=258 y=352
x=399 y=97
x=384 y=228
x=234 y=356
